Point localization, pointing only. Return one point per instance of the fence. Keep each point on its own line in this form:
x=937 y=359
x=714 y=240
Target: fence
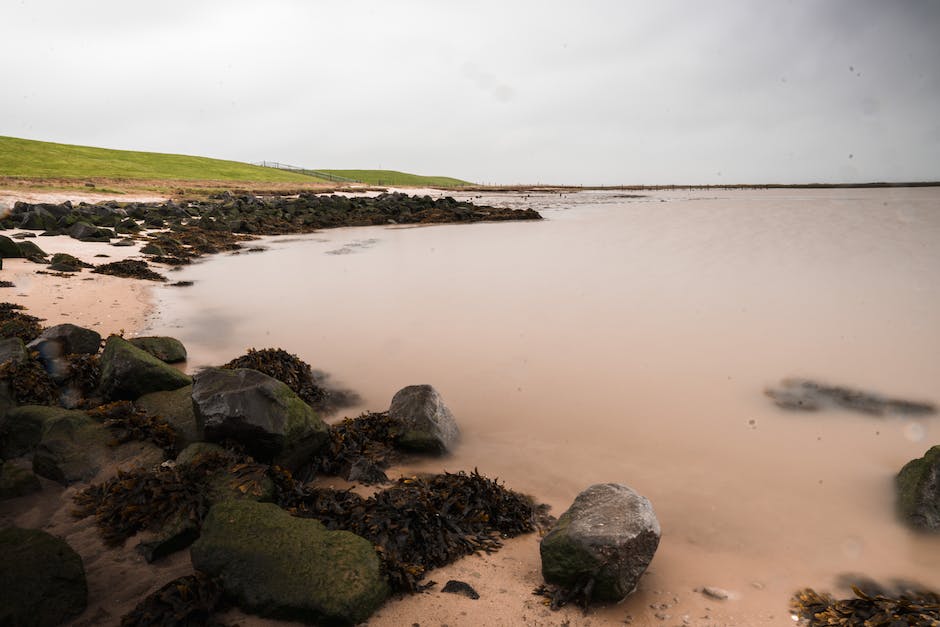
x=299 y=170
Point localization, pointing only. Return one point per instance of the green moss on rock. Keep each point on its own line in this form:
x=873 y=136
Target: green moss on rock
x=918 y=491
x=276 y=565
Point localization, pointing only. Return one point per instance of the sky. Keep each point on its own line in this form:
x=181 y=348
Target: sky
x=591 y=93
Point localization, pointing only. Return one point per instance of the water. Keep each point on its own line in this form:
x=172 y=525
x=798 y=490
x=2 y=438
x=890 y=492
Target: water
x=630 y=340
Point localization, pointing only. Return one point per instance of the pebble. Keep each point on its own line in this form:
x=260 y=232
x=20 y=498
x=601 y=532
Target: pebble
x=715 y=593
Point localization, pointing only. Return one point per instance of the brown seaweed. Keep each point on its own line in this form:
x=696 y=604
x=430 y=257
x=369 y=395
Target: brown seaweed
x=420 y=523
x=7 y=284
x=14 y=323
x=129 y=424
x=921 y=609
x=129 y=268
x=29 y=382
x=360 y=449
x=188 y=601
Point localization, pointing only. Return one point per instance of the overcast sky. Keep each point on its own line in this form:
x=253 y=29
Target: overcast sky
x=604 y=92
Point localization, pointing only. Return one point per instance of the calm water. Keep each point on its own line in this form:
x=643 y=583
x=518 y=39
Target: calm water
x=630 y=340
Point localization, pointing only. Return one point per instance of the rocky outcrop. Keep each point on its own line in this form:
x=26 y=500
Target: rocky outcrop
x=166 y=349
x=274 y=564
x=42 y=580
x=128 y=372
x=15 y=480
x=918 y=490
x=176 y=407
x=428 y=426
x=603 y=543
x=258 y=411
x=86 y=232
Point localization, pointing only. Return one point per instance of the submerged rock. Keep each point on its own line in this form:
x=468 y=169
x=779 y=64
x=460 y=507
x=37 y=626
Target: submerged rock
x=428 y=426
x=128 y=372
x=918 y=490
x=602 y=545
x=806 y=395
x=277 y=565
x=42 y=580
x=258 y=411
x=166 y=349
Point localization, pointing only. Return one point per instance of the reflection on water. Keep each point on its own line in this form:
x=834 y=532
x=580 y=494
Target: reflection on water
x=630 y=340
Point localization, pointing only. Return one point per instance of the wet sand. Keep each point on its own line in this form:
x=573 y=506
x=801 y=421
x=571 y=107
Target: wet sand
x=624 y=340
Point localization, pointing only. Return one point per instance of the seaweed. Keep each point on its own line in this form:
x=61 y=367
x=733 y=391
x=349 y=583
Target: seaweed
x=286 y=368
x=187 y=601
x=29 y=382
x=419 y=523
x=129 y=424
x=129 y=268
x=14 y=323
x=915 y=608
x=360 y=449
x=7 y=284
x=84 y=372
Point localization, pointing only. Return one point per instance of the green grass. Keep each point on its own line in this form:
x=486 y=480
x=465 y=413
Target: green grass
x=391 y=177
x=29 y=158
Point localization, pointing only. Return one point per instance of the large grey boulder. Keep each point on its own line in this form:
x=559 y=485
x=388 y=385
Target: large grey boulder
x=176 y=407
x=918 y=490
x=608 y=536
x=428 y=425
x=258 y=411
x=127 y=372
x=166 y=349
x=65 y=339
x=277 y=565
x=42 y=580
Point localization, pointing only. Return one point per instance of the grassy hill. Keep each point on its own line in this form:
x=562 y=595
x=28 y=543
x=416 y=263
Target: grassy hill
x=30 y=158
x=392 y=177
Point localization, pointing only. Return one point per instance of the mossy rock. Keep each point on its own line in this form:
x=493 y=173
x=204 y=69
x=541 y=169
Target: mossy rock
x=260 y=412
x=918 y=491
x=31 y=250
x=167 y=349
x=72 y=448
x=176 y=407
x=13 y=348
x=276 y=565
x=42 y=580
x=9 y=248
x=21 y=428
x=17 y=481
x=63 y=262
x=127 y=372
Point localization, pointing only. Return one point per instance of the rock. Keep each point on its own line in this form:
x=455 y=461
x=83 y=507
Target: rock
x=89 y=233
x=71 y=448
x=461 y=587
x=197 y=449
x=62 y=262
x=9 y=248
x=276 y=565
x=21 y=429
x=17 y=481
x=42 y=580
x=428 y=426
x=151 y=248
x=176 y=407
x=608 y=535
x=13 y=348
x=715 y=593
x=128 y=372
x=258 y=411
x=176 y=534
x=167 y=349
x=918 y=491
x=68 y=339
x=806 y=395
x=30 y=250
